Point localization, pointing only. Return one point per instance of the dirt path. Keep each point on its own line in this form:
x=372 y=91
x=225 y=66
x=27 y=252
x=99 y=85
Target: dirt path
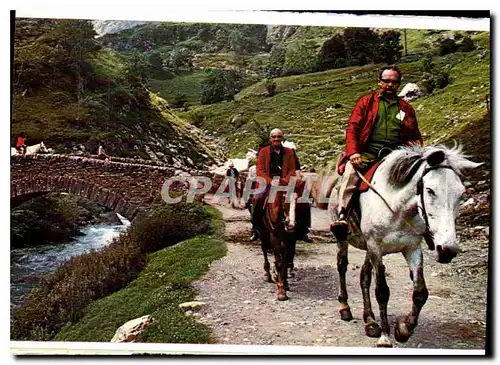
x=242 y=307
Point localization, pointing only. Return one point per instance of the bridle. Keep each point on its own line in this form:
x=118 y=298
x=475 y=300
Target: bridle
x=428 y=236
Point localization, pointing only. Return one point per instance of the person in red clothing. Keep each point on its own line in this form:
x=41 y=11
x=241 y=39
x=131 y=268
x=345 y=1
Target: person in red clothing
x=273 y=161
x=21 y=143
x=379 y=121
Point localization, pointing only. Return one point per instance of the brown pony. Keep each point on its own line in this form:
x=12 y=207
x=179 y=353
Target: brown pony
x=276 y=228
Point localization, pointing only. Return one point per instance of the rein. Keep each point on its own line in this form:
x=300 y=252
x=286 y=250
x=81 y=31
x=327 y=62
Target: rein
x=420 y=191
x=428 y=237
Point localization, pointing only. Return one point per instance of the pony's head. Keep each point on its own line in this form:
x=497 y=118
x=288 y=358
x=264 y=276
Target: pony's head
x=281 y=211
x=438 y=171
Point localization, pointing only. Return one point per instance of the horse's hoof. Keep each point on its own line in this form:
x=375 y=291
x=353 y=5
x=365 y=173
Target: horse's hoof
x=345 y=314
x=402 y=331
x=282 y=297
x=372 y=329
x=384 y=342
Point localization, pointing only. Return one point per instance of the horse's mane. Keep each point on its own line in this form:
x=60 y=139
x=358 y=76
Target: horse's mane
x=404 y=164
x=405 y=161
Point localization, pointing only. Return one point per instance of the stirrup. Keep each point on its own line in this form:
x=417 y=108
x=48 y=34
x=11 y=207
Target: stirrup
x=340 y=229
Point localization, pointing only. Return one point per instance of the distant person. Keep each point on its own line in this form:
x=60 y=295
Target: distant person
x=21 y=143
x=232 y=171
x=272 y=161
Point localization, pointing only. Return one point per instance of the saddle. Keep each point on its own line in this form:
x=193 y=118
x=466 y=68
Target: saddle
x=362 y=187
x=354 y=209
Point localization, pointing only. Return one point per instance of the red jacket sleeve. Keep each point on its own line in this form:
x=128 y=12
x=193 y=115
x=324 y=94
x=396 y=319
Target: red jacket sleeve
x=262 y=161
x=355 y=125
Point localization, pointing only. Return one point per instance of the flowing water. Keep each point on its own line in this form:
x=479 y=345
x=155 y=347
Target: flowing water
x=28 y=264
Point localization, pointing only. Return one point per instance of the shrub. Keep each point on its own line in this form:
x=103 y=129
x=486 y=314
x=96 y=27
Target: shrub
x=177 y=100
x=195 y=117
x=221 y=85
x=62 y=297
x=426 y=65
x=271 y=86
x=427 y=83
x=447 y=46
x=442 y=80
x=465 y=45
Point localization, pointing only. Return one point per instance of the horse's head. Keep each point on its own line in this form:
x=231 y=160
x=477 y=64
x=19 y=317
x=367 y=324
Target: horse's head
x=439 y=190
x=251 y=155
x=43 y=149
x=288 y=208
x=281 y=211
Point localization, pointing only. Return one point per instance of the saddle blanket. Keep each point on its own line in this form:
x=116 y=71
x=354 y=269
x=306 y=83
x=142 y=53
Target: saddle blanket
x=368 y=176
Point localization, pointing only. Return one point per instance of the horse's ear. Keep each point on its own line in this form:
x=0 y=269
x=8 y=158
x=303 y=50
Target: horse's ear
x=435 y=158
x=469 y=165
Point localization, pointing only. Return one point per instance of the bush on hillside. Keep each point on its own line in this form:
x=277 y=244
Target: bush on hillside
x=221 y=85
x=333 y=53
x=301 y=57
x=426 y=64
x=271 y=86
x=442 y=80
x=276 y=61
x=447 y=46
x=389 y=48
x=466 y=44
x=62 y=297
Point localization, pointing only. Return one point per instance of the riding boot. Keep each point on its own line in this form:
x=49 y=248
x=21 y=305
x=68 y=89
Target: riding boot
x=340 y=227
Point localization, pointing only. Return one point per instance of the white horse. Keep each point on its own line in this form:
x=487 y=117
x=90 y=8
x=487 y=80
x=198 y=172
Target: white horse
x=417 y=196
x=36 y=148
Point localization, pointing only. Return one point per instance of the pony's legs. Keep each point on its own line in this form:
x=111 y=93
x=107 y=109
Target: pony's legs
x=291 y=255
x=382 y=294
x=372 y=328
x=405 y=325
x=264 y=244
x=345 y=310
x=280 y=264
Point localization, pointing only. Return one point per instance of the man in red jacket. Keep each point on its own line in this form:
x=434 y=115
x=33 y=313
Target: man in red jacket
x=274 y=160
x=379 y=120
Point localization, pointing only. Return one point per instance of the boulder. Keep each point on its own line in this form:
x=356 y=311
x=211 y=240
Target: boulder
x=130 y=331
x=110 y=218
x=192 y=305
x=410 y=91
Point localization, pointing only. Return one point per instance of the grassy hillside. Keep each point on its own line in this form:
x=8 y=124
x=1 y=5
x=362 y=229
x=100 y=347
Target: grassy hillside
x=313 y=109
x=68 y=91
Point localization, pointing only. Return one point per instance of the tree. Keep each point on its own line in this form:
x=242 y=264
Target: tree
x=333 y=53
x=179 y=59
x=301 y=57
x=466 y=45
x=238 y=42
x=276 y=61
x=389 y=49
x=137 y=70
x=360 y=44
x=446 y=46
x=221 y=85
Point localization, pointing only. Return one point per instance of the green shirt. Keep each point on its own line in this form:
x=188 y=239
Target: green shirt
x=386 y=129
